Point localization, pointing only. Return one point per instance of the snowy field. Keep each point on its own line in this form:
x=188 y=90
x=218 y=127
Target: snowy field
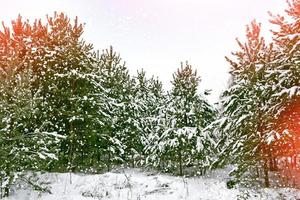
x=134 y=184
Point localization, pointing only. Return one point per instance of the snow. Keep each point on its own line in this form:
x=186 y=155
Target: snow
x=293 y=91
x=136 y=184
x=54 y=134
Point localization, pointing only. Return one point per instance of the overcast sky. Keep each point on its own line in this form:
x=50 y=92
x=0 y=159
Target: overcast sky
x=158 y=34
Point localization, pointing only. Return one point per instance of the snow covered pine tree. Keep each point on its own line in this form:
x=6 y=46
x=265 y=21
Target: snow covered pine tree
x=182 y=144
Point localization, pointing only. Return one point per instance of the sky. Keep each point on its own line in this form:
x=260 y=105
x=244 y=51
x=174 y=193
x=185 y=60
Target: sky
x=157 y=35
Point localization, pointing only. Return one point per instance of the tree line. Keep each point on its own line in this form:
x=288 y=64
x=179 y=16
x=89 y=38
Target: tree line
x=66 y=107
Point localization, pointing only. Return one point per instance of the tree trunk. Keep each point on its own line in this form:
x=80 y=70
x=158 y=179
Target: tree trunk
x=270 y=158
x=163 y=163
x=108 y=162
x=6 y=191
x=133 y=161
x=1 y=195
x=7 y=186
x=275 y=164
x=257 y=171
x=266 y=173
x=180 y=163
x=71 y=155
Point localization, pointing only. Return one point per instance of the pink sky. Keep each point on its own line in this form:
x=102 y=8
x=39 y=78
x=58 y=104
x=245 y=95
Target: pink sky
x=158 y=34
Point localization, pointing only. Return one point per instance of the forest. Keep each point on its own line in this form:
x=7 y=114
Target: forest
x=67 y=107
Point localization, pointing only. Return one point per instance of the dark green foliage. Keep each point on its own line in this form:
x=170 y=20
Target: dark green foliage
x=180 y=141
x=256 y=124
x=64 y=107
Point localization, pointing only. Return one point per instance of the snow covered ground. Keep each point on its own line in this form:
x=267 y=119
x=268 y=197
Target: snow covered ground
x=134 y=184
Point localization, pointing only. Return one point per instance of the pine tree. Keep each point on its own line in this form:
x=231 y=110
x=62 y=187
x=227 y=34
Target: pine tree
x=265 y=79
x=181 y=144
x=25 y=141
x=146 y=104
x=24 y=145
x=70 y=87
x=245 y=117
x=113 y=83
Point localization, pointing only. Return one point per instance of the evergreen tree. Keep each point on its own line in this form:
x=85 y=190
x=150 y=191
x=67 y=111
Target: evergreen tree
x=245 y=116
x=25 y=140
x=24 y=145
x=114 y=89
x=182 y=143
x=147 y=103
x=69 y=88
x=256 y=124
